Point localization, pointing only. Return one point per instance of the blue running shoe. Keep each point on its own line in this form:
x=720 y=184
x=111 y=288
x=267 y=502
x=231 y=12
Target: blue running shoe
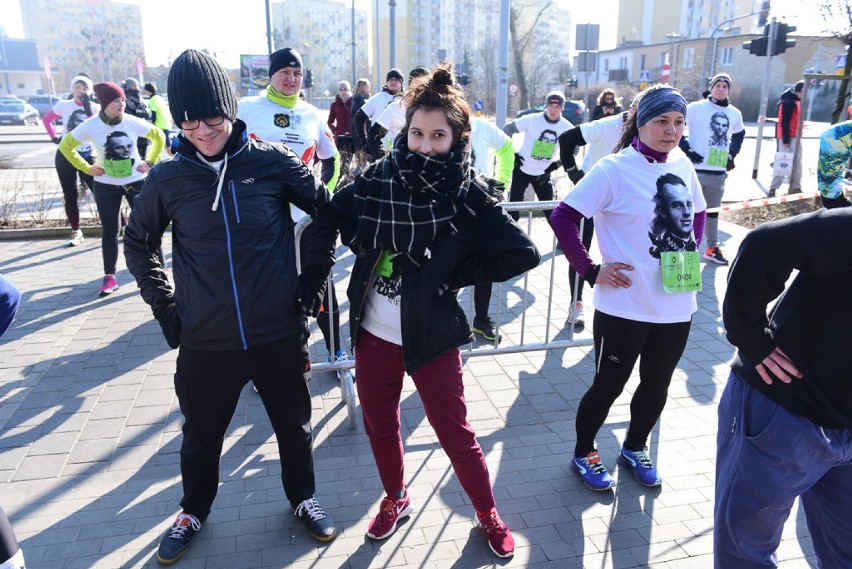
x=640 y=463
x=593 y=472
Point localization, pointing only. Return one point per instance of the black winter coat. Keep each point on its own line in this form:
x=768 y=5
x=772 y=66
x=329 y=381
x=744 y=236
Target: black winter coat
x=488 y=248
x=234 y=269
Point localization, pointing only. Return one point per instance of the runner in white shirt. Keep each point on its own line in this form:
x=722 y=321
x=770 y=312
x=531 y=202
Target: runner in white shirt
x=391 y=119
x=281 y=116
x=391 y=91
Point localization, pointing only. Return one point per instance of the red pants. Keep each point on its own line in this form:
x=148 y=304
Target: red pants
x=379 y=369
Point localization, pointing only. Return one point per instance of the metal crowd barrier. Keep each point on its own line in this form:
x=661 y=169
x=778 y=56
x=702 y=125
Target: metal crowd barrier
x=508 y=344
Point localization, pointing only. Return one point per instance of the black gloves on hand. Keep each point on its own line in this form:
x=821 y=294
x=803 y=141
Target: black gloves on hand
x=519 y=161
x=170 y=324
x=553 y=167
x=56 y=139
x=694 y=156
x=310 y=290
x=731 y=164
x=839 y=201
x=575 y=175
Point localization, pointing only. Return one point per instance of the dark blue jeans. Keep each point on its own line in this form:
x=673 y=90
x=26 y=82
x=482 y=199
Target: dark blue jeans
x=766 y=457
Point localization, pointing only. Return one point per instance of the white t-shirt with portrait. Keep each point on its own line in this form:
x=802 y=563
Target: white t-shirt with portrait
x=540 y=146
x=619 y=193
x=709 y=130
x=116 y=147
x=74 y=114
x=382 y=315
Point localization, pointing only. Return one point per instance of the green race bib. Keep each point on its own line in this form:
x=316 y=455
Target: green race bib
x=717 y=157
x=681 y=271
x=542 y=149
x=385 y=266
x=118 y=168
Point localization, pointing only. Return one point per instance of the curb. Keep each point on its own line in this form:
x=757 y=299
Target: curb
x=47 y=232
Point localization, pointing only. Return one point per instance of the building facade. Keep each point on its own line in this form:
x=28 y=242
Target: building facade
x=322 y=33
x=20 y=70
x=97 y=37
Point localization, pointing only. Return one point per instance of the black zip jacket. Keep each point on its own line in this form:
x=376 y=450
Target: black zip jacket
x=488 y=248
x=811 y=320
x=234 y=268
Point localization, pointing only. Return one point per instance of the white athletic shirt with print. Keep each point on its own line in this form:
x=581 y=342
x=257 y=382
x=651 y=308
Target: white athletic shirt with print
x=120 y=167
x=540 y=146
x=377 y=103
x=601 y=136
x=382 y=316
x=709 y=131
x=619 y=193
x=485 y=136
x=74 y=115
x=300 y=128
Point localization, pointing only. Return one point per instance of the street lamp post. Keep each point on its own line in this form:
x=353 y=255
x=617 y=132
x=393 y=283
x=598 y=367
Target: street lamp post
x=703 y=78
x=392 y=6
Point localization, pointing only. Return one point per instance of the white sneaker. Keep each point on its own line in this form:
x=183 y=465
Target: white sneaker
x=575 y=314
x=76 y=238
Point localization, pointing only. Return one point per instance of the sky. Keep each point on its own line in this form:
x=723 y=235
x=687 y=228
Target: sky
x=171 y=26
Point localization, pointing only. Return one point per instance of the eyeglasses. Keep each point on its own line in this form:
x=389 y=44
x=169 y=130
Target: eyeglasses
x=192 y=125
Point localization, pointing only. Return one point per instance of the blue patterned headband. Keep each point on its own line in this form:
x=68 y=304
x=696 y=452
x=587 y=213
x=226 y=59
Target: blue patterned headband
x=655 y=103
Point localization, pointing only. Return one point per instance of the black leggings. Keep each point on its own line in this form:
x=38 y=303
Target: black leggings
x=8 y=543
x=542 y=187
x=323 y=320
x=108 y=199
x=481 y=299
x=68 y=180
x=618 y=343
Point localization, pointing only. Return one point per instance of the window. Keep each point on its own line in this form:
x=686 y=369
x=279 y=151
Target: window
x=606 y=65
x=642 y=62
x=689 y=58
x=622 y=63
x=663 y=58
x=728 y=56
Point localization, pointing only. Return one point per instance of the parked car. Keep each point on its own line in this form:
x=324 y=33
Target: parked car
x=18 y=113
x=573 y=111
x=43 y=103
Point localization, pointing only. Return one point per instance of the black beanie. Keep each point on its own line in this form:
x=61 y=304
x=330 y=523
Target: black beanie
x=285 y=57
x=199 y=88
x=151 y=88
x=394 y=74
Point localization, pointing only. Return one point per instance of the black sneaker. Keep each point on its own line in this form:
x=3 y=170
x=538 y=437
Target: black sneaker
x=318 y=524
x=715 y=255
x=485 y=328
x=175 y=542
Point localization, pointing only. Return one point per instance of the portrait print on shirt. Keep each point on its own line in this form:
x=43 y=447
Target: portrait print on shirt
x=118 y=152
x=671 y=229
x=719 y=124
x=75 y=119
x=545 y=146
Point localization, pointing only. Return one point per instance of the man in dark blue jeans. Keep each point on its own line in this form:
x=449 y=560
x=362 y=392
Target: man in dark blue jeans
x=785 y=417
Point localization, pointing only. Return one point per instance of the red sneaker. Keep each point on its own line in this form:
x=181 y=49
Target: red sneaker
x=500 y=539
x=391 y=510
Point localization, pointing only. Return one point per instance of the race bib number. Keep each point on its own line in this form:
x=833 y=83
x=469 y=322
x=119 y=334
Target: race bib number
x=543 y=150
x=717 y=157
x=681 y=271
x=118 y=168
x=385 y=266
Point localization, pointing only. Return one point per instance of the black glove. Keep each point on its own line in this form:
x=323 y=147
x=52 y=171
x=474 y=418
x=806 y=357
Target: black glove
x=553 y=167
x=56 y=139
x=731 y=164
x=519 y=161
x=839 y=201
x=310 y=290
x=694 y=156
x=170 y=324
x=576 y=175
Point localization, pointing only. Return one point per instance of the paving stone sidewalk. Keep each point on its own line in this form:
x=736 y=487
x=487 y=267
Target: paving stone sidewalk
x=90 y=436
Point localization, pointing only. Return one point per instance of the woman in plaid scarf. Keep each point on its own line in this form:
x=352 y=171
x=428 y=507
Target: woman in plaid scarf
x=423 y=224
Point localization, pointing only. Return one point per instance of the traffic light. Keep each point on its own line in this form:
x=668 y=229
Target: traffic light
x=464 y=79
x=763 y=18
x=781 y=41
x=309 y=79
x=756 y=46
x=573 y=82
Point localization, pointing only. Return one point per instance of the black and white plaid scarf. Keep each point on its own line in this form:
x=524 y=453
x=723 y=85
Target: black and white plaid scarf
x=405 y=200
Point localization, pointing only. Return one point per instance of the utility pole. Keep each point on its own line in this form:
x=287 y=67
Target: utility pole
x=269 y=25
x=392 y=52
x=764 y=95
x=354 y=71
x=503 y=64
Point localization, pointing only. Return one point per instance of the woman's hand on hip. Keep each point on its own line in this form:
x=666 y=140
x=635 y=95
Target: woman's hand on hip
x=612 y=274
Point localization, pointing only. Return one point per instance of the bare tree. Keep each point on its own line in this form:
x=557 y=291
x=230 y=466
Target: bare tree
x=838 y=15
x=524 y=19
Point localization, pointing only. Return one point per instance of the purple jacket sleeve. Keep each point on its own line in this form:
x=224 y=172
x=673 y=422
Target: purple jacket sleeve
x=698 y=227
x=565 y=223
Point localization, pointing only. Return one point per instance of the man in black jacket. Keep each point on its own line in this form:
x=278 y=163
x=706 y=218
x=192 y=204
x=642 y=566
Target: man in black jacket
x=785 y=418
x=237 y=309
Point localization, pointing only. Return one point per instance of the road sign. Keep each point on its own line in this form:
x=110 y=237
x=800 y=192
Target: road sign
x=667 y=72
x=478 y=105
x=587 y=37
x=840 y=65
x=644 y=77
x=513 y=88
